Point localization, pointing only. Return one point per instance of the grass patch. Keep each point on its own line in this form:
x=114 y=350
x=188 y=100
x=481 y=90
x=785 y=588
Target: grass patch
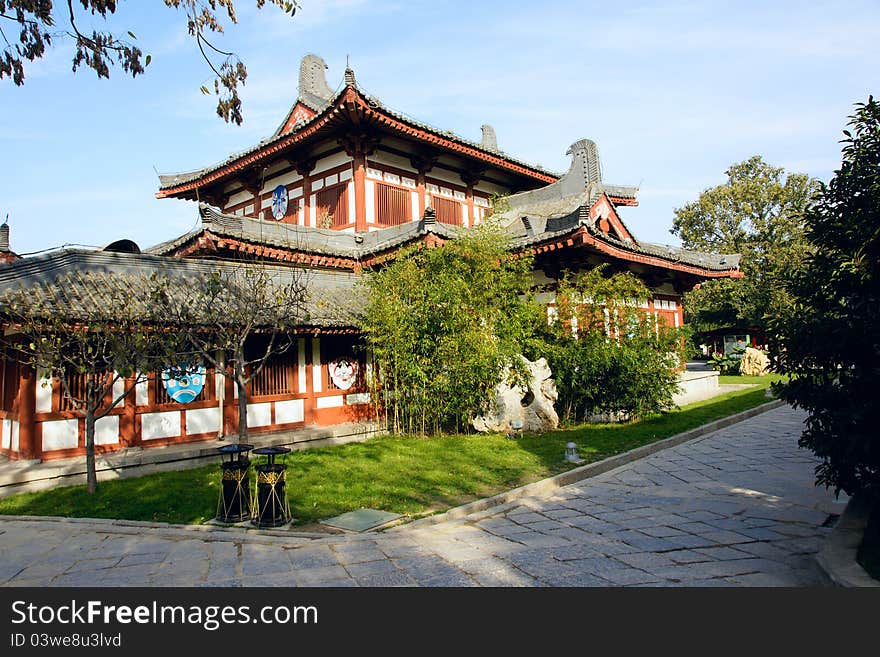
x=764 y=381
x=407 y=475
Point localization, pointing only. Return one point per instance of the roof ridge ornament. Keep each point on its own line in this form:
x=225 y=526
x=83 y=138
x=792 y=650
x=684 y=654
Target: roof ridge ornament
x=312 y=79
x=585 y=154
x=350 y=80
x=489 y=139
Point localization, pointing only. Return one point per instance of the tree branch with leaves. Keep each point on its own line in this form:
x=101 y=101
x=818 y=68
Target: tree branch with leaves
x=36 y=23
x=758 y=212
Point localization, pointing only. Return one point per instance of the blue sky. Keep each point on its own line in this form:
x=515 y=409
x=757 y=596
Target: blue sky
x=672 y=92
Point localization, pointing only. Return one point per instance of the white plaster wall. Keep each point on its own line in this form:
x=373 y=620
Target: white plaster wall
x=398 y=162
x=285 y=179
x=118 y=388
x=202 y=420
x=357 y=398
x=259 y=415
x=445 y=176
x=329 y=402
x=313 y=212
x=14 y=432
x=44 y=394
x=241 y=197
x=301 y=365
x=289 y=411
x=6 y=434
x=334 y=160
x=352 y=204
x=141 y=393
x=107 y=430
x=489 y=188
x=160 y=425
x=370 y=205
x=316 y=364
x=415 y=206
x=60 y=434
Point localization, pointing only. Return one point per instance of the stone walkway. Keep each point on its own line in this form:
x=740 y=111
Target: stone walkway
x=734 y=508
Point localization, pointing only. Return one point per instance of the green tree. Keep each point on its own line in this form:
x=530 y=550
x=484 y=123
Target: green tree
x=758 y=213
x=41 y=23
x=441 y=324
x=829 y=340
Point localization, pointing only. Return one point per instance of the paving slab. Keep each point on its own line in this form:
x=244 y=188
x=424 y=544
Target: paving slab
x=734 y=507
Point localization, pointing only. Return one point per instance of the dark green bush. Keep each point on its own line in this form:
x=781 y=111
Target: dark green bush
x=830 y=341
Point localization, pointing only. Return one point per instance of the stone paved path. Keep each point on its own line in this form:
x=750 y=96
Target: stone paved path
x=735 y=508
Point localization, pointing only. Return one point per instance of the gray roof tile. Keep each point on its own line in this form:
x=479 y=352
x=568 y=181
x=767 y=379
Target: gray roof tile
x=75 y=282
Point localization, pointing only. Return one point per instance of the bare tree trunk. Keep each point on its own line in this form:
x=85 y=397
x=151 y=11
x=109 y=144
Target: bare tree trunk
x=91 y=475
x=242 y=407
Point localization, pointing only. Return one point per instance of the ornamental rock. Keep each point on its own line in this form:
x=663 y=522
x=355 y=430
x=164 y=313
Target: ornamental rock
x=526 y=407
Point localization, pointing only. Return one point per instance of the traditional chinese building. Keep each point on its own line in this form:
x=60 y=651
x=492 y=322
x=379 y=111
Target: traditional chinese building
x=341 y=186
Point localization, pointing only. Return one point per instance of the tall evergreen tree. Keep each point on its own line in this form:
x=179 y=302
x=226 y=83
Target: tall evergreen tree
x=829 y=340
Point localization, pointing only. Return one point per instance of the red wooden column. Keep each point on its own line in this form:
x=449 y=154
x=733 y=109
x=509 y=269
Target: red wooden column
x=360 y=191
x=27 y=402
x=128 y=435
x=305 y=168
x=309 y=401
x=423 y=163
x=420 y=186
x=358 y=145
x=470 y=179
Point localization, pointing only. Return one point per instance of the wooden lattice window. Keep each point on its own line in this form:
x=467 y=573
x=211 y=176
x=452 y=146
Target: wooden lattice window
x=278 y=376
x=76 y=386
x=331 y=206
x=393 y=205
x=448 y=211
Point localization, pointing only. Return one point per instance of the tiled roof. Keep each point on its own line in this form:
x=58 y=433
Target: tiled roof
x=305 y=239
x=578 y=217
x=76 y=282
x=170 y=180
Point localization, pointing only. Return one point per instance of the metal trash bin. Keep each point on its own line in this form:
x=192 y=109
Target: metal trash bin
x=234 y=504
x=272 y=509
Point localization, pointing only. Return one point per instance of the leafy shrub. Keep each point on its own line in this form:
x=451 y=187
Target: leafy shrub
x=607 y=356
x=442 y=324
x=726 y=363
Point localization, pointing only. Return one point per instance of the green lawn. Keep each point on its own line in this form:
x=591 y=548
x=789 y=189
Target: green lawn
x=408 y=475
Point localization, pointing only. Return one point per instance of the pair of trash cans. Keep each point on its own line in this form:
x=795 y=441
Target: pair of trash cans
x=267 y=506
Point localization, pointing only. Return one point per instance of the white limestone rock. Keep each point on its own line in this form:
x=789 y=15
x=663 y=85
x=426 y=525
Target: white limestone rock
x=526 y=408
x=754 y=362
